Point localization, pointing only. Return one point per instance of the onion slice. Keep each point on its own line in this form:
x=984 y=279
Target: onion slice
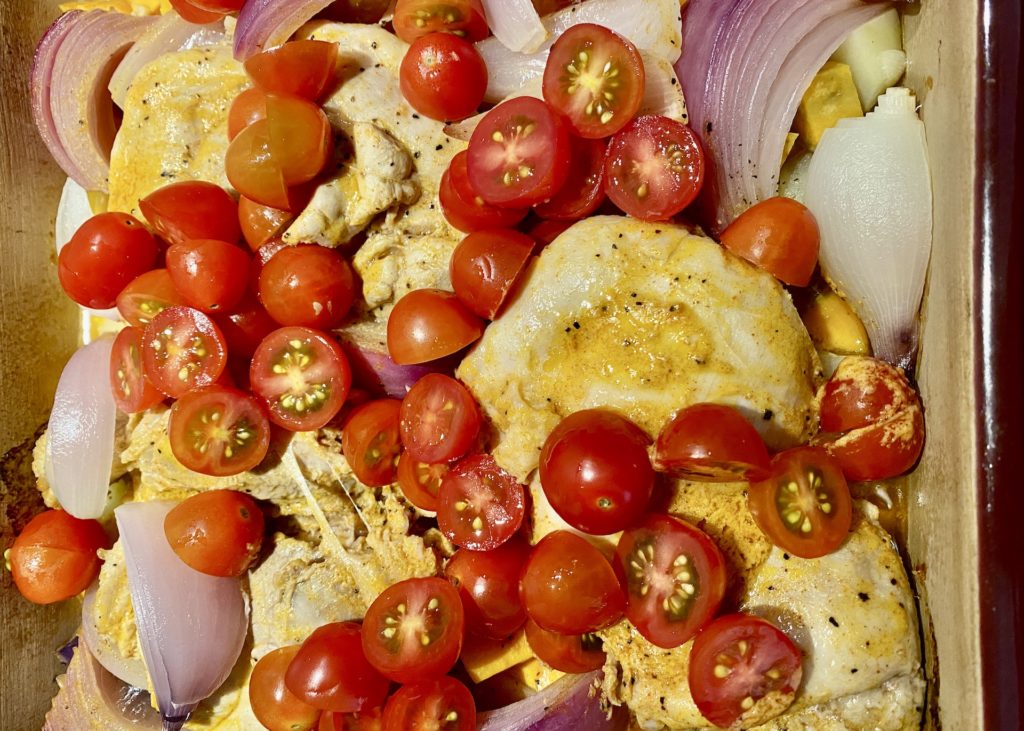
x=374 y=371
x=132 y=672
x=264 y=24
x=80 y=436
x=191 y=626
x=571 y=703
x=516 y=24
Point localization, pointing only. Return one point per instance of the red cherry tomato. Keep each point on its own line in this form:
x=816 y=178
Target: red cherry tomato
x=485 y=267
x=595 y=471
x=106 y=253
x=519 y=153
x=440 y=419
x=583 y=192
x=595 y=78
x=301 y=141
x=192 y=209
x=54 y=557
x=303 y=377
x=367 y=721
x=439 y=704
x=743 y=671
x=779 y=235
x=443 y=77
x=193 y=13
x=371 y=443
x=427 y=324
x=210 y=275
x=569 y=587
x=246 y=326
x=248 y=107
x=219 y=6
x=420 y=482
x=306 y=69
x=413 y=630
x=654 y=169
x=480 y=506
x=566 y=653
x=218 y=431
x=331 y=672
x=674 y=577
x=544 y=232
x=182 y=349
x=276 y=707
x=218 y=532
x=147 y=296
x=257 y=173
x=463 y=18
x=307 y=285
x=804 y=506
x=711 y=443
x=488 y=582
x=463 y=206
x=132 y=392
x=261 y=223
x=872 y=419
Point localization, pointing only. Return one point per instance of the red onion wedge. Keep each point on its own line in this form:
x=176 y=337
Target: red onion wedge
x=70 y=104
x=80 y=436
x=191 y=625
x=744 y=68
x=264 y=24
x=571 y=703
x=374 y=371
x=516 y=24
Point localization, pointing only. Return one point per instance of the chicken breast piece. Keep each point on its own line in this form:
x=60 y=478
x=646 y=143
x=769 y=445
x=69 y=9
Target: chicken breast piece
x=644 y=319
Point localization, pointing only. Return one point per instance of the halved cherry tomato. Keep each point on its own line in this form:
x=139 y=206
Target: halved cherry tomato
x=569 y=587
x=420 y=482
x=105 y=254
x=210 y=275
x=413 y=631
x=439 y=704
x=463 y=206
x=711 y=443
x=804 y=506
x=54 y=557
x=331 y=672
x=743 y=671
x=779 y=235
x=303 y=377
x=486 y=265
x=595 y=471
x=217 y=532
x=301 y=141
x=440 y=419
x=583 y=192
x=371 y=443
x=182 y=349
x=132 y=392
x=193 y=13
x=192 y=209
x=872 y=419
x=655 y=168
x=480 y=505
x=488 y=582
x=519 y=153
x=260 y=223
x=147 y=296
x=567 y=653
x=254 y=171
x=248 y=107
x=274 y=706
x=544 y=232
x=443 y=77
x=246 y=326
x=366 y=721
x=427 y=324
x=463 y=18
x=595 y=78
x=674 y=577
x=219 y=6
x=218 y=431
x=356 y=11
x=306 y=69
x=307 y=285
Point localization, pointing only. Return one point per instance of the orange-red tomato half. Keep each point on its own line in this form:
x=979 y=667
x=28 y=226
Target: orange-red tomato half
x=331 y=672
x=428 y=324
x=218 y=431
x=567 y=653
x=217 y=532
x=779 y=235
x=371 y=442
x=276 y=707
x=463 y=18
x=711 y=443
x=443 y=77
x=132 y=391
x=485 y=267
x=304 y=68
x=192 y=209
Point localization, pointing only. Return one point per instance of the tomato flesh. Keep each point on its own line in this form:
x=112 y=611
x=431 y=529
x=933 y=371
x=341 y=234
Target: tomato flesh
x=443 y=77
x=182 y=349
x=371 y=442
x=132 y=392
x=331 y=672
x=301 y=141
x=218 y=532
x=485 y=267
x=488 y=582
x=306 y=69
x=463 y=206
x=583 y=192
x=192 y=209
x=566 y=653
x=260 y=223
x=420 y=482
x=254 y=171
x=440 y=419
x=440 y=704
x=463 y=18
x=276 y=707
x=711 y=443
x=210 y=275
x=308 y=286
x=193 y=13
x=779 y=235
x=218 y=431
x=428 y=324
x=147 y=296
x=335 y=721
x=480 y=506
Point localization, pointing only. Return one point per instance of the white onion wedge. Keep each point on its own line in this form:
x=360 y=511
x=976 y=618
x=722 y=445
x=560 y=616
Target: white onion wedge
x=516 y=24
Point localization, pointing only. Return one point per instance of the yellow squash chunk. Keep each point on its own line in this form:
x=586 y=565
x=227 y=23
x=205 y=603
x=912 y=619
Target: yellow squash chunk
x=534 y=674
x=484 y=659
x=831 y=96
x=833 y=325
x=791 y=139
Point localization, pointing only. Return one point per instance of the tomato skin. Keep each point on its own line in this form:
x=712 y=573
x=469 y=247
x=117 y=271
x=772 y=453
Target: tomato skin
x=568 y=653
x=711 y=443
x=440 y=419
x=276 y=707
x=206 y=445
x=583 y=192
x=463 y=206
x=260 y=223
x=366 y=721
x=219 y=6
x=488 y=583
x=192 y=209
x=210 y=275
x=105 y=254
x=330 y=671
x=480 y=506
x=427 y=324
x=464 y=18
x=663 y=553
x=569 y=587
x=486 y=265
x=443 y=77
x=544 y=232
x=747 y=648
x=246 y=326
x=783 y=514
x=147 y=296
x=439 y=704
x=218 y=532
x=182 y=349
x=779 y=235
x=54 y=557
x=193 y=13
x=132 y=392
x=307 y=285
x=255 y=172
x=306 y=69
x=413 y=631
x=595 y=471
x=420 y=482
x=248 y=107
x=371 y=442
x=301 y=140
